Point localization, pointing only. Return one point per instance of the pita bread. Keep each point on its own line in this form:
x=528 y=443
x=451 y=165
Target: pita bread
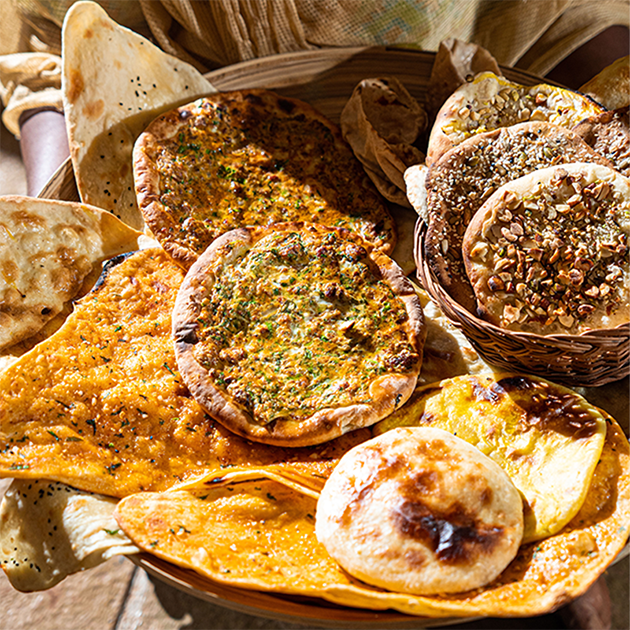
x=51 y=252
x=419 y=510
x=114 y=83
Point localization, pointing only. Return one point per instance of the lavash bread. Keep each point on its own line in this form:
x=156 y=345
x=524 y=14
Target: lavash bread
x=548 y=253
x=381 y=122
x=417 y=510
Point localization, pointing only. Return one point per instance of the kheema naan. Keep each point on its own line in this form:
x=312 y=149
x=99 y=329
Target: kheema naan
x=260 y=535
x=100 y=404
x=50 y=252
x=114 y=83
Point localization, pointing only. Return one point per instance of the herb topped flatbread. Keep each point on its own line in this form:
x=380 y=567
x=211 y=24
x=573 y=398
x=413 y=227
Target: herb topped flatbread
x=250 y=158
x=296 y=333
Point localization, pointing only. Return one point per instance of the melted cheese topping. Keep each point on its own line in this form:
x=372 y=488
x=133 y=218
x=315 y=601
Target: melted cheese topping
x=248 y=165
x=300 y=323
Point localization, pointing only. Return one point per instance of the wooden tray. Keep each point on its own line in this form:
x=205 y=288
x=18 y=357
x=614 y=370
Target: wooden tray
x=325 y=79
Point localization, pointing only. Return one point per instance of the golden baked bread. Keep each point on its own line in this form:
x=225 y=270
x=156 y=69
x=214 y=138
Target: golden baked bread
x=246 y=158
x=418 y=510
x=489 y=102
x=548 y=253
x=458 y=184
x=294 y=334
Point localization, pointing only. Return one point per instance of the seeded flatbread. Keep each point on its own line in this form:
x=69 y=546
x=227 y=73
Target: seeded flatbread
x=297 y=333
x=51 y=252
x=114 y=83
x=489 y=102
x=418 y=510
x=247 y=158
x=459 y=183
x=548 y=252
x=609 y=134
x=261 y=535
x=546 y=437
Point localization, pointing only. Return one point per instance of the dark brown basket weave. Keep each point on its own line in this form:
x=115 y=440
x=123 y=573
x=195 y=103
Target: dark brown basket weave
x=587 y=360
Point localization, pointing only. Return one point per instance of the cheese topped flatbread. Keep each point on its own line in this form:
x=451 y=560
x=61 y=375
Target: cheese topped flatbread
x=250 y=158
x=297 y=333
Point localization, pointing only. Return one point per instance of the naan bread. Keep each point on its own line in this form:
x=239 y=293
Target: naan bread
x=609 y=135
x=247 y=158
x=548 y=253
x=611 y=87
x=50 y=253
x=418 y=510
x=489 y=102
x=101 y=406
x=49 y=530
x=381 y=122
x=546 y=437
x=459 y=183
x=296 y=333
x=114 y=83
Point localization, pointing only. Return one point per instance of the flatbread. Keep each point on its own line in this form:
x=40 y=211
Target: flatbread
x=294 y=334
x=611 y=86
x=49 y=531
x=223 y=535
x=114 y=82
x=489 y=102
x=100 y=405
x=548 y=253
x=245 y=158
x=381 y=122
x=51 y=252
x=545 y=436
x=459 y=183
x=419 y=510
x=609 y=134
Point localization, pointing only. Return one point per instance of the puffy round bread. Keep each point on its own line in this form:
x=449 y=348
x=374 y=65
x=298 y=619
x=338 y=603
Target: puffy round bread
x=417 y=510
x=548 y=252
x=294 y=334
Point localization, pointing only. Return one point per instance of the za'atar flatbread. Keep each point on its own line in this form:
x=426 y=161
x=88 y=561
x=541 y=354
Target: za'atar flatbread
x=295 y=334
x=114 y=83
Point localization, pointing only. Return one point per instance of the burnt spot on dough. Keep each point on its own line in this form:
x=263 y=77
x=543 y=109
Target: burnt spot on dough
x=549 y=408
x=454 y=534
x=489 y=394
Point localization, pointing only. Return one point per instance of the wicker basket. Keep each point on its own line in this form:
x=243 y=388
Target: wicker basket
x=587 y=360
